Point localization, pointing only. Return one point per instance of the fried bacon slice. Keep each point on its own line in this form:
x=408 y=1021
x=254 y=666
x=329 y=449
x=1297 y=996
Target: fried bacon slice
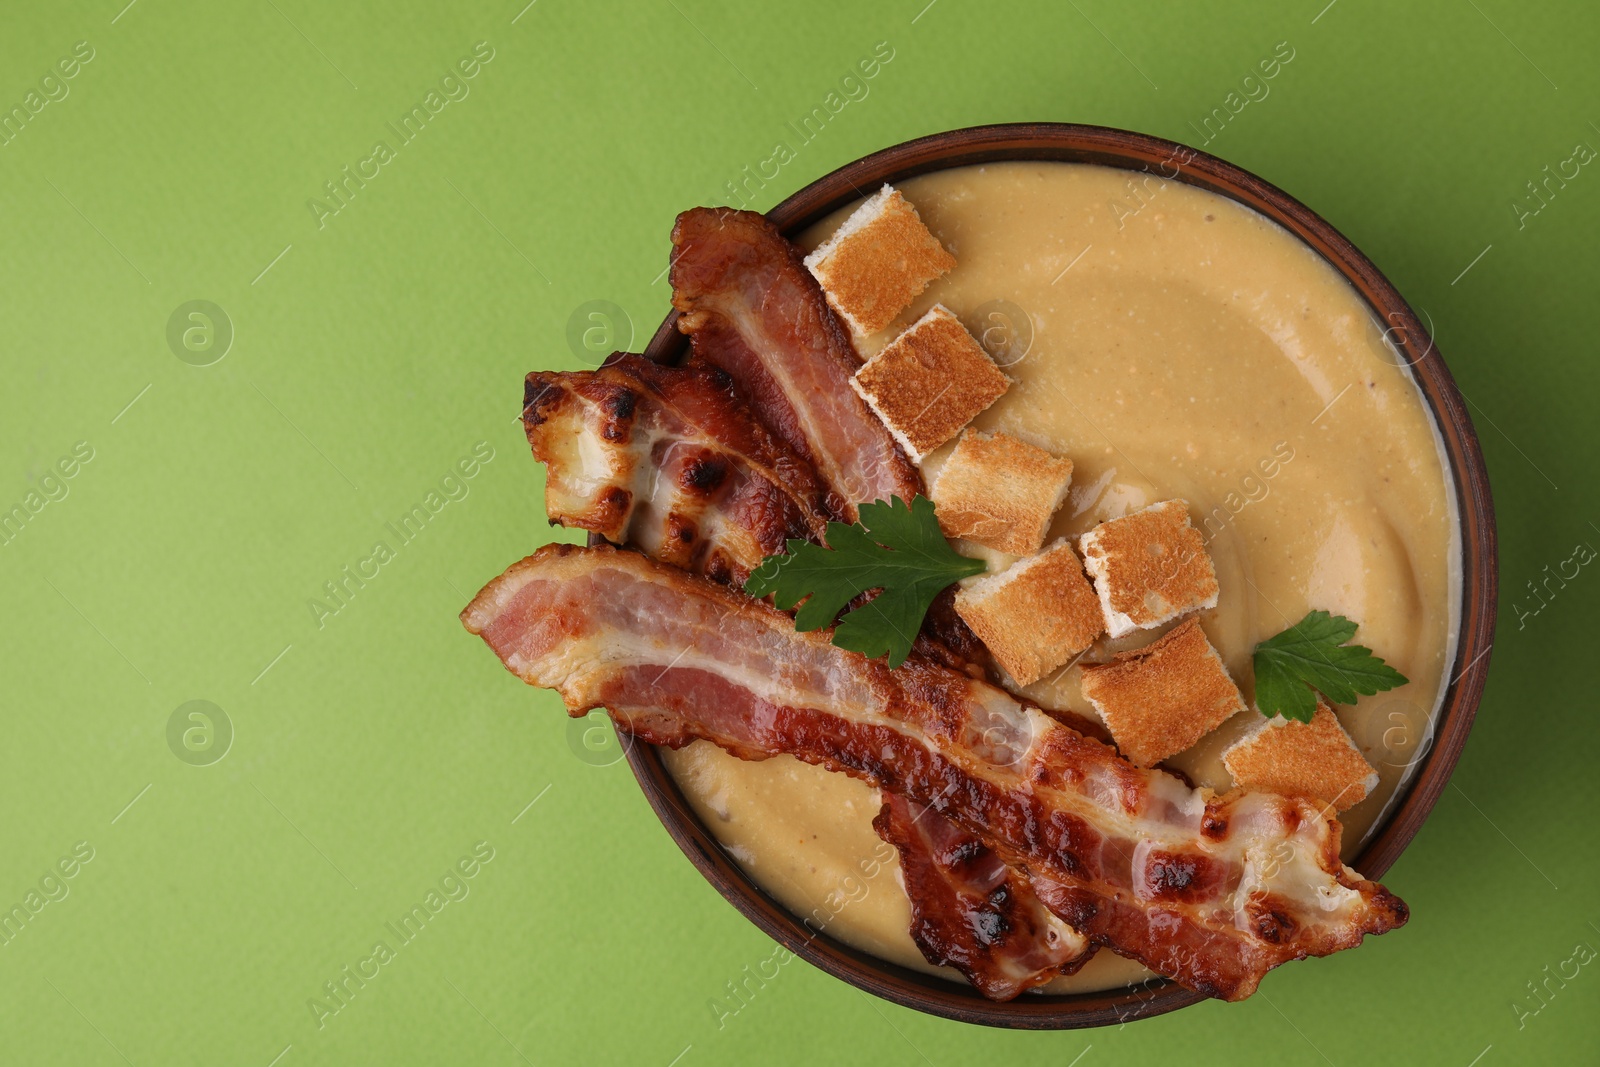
x=670 y=460
x=750 y=307
x=1210 y=891
x=971 y=911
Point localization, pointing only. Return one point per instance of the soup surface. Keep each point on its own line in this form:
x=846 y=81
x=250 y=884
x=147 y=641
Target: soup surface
x=1172 y=343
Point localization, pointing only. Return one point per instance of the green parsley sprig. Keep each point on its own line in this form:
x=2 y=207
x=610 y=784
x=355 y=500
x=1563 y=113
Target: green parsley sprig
x=894 y=548
x=1313 y=654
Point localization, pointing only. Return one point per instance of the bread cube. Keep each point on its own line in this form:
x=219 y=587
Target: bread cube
x=1149 y=567
x=1000 y=492
x=929 y=382
x=1160 y=699
x=879 y=260
x=1316 y=760
x=1036 y=615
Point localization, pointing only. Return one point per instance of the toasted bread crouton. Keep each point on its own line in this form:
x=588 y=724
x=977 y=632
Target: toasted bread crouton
x=1000 y=492
x=1035 y=615
x=929 y=382
x=1316 y=760
x=1160 y=699
x=878 y=261
x=1149 y=567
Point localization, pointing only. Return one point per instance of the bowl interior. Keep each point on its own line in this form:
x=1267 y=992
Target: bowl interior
x=1475 y=513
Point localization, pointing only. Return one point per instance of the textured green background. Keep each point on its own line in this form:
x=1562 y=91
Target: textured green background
x=373 y=352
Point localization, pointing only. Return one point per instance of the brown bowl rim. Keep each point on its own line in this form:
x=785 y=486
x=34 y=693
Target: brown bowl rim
x=1067 y=142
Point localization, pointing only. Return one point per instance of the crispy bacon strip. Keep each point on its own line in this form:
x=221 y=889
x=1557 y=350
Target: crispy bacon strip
x=971 y=911
x=750 y=307
x=669 y=460
x=1211 y=891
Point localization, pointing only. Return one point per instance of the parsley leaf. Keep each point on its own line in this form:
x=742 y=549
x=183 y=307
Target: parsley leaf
x=894 y=548
x=1313 y=653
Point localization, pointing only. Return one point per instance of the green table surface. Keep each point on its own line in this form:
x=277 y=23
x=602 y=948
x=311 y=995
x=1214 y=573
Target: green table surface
x=224 y=468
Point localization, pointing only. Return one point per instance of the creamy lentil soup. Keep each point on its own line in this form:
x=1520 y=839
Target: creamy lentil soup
x=1181 y=346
